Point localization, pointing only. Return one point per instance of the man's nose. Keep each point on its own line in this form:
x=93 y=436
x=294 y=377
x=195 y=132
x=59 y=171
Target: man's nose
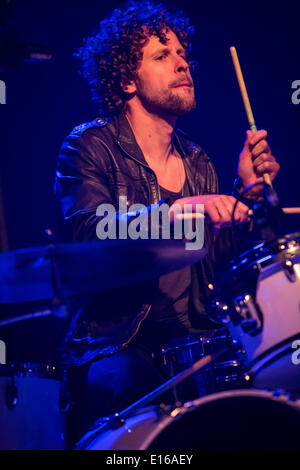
x=181 y=65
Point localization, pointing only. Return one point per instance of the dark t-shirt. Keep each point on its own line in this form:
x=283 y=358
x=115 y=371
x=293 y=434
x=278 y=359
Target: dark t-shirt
x=169 y=316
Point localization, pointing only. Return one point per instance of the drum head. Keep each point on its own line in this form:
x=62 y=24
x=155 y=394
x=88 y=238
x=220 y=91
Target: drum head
x=234 y=420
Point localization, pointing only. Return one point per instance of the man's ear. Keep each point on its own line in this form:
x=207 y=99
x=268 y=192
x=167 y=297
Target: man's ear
x=129 y=88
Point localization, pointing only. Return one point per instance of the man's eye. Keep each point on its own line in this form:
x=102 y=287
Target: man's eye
x=161 y=57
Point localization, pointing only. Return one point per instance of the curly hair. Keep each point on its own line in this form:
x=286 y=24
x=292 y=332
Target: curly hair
x=112 y=55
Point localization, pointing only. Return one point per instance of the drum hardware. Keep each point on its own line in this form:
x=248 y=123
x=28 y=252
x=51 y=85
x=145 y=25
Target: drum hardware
x=121 y=417
x=219 y=311
x=228 y=374
x=244 y=312
x=223 y=373
x=250 y=317
x=201 y=363
x=292 y=269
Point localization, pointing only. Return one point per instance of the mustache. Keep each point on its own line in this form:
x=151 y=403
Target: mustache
x=181 y=80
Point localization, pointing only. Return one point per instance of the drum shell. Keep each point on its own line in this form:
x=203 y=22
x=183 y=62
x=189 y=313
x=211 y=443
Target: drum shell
x=277 y=370
x=278 y=300
x=30 y=414
x=235 y=419
x=260 y=295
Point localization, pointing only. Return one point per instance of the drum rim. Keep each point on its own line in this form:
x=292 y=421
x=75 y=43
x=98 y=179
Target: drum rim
x=261 y=253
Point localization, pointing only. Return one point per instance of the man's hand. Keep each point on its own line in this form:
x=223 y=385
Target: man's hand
x=218 y=210
x=256 y=159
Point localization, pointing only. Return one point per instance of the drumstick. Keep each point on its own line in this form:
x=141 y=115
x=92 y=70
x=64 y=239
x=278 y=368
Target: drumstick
x=190 y=216
x=285 y=210
x=198 y=215
x=246 y=101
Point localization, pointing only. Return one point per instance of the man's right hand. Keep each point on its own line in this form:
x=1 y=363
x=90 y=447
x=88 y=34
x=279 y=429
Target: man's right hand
x=218 y=209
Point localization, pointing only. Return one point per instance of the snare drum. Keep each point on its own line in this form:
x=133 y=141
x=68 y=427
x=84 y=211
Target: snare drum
x=258 y=298
x=229 y=420
x=222 y=374
x=32 y=407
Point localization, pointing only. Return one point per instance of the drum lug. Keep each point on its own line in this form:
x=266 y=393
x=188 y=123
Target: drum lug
x=249 y=325
x=219 y=312
x=292 y=270
x=248 y=314
x=247 y=380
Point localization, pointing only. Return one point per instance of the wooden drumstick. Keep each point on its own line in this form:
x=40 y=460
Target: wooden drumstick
x=285 y=210
x=246 y=101
x=198 y=215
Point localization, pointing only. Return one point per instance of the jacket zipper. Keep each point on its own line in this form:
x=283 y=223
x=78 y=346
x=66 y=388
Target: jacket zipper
x=148 y=168
x=149 y=306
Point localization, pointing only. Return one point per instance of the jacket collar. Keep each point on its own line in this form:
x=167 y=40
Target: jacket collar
x=126 y=139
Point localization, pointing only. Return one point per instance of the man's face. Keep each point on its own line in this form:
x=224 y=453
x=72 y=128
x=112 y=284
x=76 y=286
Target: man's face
x=164 y=84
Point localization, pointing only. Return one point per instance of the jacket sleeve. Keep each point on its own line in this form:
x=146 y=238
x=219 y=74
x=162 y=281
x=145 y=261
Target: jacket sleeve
x=80 y=186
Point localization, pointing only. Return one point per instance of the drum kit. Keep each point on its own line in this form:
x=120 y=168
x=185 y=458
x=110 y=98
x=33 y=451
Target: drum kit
x=237 y=386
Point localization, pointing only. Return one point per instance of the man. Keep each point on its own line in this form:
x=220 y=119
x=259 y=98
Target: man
x=138 y=67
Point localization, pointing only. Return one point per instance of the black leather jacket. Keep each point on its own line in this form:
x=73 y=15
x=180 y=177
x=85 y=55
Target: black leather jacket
x=98 y=162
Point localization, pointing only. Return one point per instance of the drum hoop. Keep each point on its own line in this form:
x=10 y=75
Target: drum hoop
x=259 y=393
x=168 y=418
x=177 y=413
x=262 y=254
x=277 y=265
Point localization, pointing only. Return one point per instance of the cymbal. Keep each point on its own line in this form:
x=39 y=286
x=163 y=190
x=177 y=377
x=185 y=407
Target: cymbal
x=69 y=269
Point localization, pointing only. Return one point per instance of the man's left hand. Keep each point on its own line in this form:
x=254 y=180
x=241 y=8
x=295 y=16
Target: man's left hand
x=256 y=159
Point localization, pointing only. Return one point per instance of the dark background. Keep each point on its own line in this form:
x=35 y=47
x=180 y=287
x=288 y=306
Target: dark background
x=46 y=100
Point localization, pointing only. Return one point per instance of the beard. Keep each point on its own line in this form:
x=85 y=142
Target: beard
x=167 y=101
